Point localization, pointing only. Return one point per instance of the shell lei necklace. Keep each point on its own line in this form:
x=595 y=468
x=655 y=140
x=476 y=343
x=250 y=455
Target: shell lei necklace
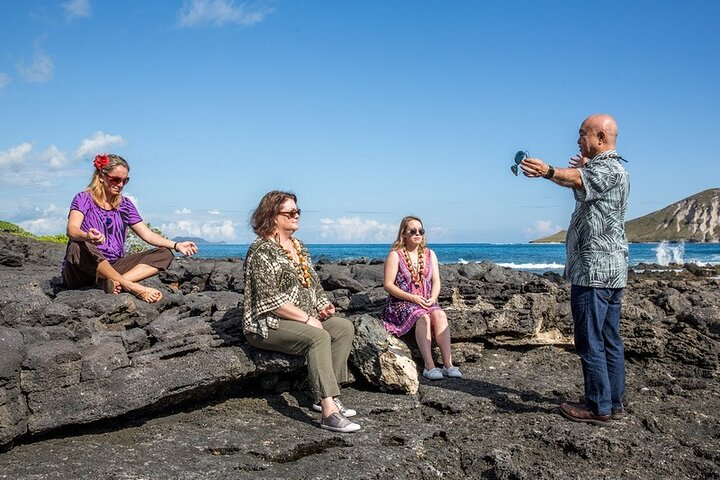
x=301 y=264
x=416 y=275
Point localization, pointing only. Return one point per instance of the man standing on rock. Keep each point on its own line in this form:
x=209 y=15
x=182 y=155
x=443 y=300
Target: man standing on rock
x=596 y=264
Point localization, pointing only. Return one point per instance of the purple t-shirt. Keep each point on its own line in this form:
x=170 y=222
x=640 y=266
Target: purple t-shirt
x=112 y=223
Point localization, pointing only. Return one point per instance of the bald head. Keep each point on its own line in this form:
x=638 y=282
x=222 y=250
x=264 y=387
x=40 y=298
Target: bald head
x=597 y=134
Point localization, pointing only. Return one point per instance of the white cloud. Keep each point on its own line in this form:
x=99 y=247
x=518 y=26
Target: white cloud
x=183 y=211
x=214 y=212
x=77 y=8
x=41 y=70
x=54 y=157
x=356 y=229
x=98 y=143
x=542 y=228
x=14 y=155
x=5 y=80
x=46 y=225
x=218 y=13
x=212 y=231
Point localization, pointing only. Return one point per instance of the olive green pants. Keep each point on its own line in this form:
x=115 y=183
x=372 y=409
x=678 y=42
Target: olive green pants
x=326 y=350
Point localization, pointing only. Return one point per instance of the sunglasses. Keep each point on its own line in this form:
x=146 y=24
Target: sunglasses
x=290 y=213
x=416 y=231
x=118 y=180
x=519 y=157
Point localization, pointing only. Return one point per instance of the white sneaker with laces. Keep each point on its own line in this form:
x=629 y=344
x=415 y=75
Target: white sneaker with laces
x=337 y=423
x=346 y=412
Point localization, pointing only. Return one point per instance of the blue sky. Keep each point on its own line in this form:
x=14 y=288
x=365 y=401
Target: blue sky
x=367 y=110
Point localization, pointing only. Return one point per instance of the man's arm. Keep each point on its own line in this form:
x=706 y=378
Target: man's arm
x=566 y=177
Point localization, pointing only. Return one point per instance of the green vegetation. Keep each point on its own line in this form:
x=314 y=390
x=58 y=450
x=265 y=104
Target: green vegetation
x=11 y=228
x=135 y=244
x=7 y=227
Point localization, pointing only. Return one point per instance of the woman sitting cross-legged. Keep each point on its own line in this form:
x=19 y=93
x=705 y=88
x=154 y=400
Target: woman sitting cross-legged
x=286 y=309
x=97 y=223
x=412 y=279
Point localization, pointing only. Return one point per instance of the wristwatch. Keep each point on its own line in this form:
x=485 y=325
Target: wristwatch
x=550 y=173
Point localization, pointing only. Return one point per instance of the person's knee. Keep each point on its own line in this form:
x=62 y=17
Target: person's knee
x=320 y=339
x=73 y=253
x=345 y=327
x=166 y=257
x=439 y=318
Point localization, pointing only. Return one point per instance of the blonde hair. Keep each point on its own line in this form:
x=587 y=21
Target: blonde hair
x=95 y=187
x=400 y=241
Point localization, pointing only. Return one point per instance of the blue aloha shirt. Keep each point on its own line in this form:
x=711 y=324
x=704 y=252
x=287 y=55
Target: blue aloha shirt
x=596 y=245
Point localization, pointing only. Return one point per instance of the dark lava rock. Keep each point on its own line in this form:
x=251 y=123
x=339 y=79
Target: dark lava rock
x=106 y=386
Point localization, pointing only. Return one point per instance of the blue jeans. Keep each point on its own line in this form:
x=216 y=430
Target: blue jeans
x=596 y=317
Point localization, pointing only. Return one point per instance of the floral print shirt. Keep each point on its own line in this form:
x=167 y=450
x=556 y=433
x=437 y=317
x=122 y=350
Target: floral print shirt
x=272 y=280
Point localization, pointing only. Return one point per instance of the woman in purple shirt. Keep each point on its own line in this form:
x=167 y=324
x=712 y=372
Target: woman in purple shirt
x=96 y=228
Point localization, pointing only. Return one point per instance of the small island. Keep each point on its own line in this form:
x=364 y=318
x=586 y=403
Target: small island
x=197 y=240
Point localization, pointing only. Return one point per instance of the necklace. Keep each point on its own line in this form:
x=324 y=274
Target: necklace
x=416 y=275
x=301 y=265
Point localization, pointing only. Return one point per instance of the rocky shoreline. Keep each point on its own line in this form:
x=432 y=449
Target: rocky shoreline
x=104 y=386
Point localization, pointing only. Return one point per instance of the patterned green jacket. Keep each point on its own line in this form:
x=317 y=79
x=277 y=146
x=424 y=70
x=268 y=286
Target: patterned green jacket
x=272 y=280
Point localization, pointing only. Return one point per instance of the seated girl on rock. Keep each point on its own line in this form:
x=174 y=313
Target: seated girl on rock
x=97 y=223
x=412 y=280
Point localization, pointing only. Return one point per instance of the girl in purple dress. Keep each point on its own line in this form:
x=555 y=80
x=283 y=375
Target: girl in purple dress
x=97 y=223
x=412 y=280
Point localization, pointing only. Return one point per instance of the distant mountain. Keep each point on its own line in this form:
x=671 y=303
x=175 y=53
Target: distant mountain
x=197 y=240
x=692 y=219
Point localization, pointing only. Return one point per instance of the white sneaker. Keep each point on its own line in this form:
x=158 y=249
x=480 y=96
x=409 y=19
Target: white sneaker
x=346 y=412
x=433 y=374
x=452 y=372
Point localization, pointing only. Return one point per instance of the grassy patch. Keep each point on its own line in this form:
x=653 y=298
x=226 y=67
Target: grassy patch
x=11 y=228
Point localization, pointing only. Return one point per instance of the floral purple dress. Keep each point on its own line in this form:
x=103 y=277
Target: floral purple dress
x=399 y=316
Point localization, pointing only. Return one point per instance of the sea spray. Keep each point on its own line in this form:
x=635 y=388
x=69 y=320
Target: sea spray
x=667 y=253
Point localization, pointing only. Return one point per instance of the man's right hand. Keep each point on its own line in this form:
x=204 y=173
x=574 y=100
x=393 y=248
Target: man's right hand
x=578 y=161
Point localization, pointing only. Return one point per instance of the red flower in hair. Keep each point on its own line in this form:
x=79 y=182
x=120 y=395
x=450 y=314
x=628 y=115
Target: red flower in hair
x=101 y=161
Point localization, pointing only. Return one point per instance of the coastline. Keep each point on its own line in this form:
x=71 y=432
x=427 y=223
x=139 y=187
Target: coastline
x=98 y=385
x=535 y=258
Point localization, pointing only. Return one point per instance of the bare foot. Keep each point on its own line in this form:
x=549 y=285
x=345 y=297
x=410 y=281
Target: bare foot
x=147 y=294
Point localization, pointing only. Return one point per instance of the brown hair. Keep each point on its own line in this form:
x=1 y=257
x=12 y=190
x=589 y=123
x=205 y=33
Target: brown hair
x=400 y=241
x=95 y=187
x=262 y=220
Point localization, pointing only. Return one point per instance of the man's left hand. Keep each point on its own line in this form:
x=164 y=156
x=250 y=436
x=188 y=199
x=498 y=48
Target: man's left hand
x=534 y=167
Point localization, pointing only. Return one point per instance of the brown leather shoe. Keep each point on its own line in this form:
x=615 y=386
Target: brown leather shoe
x=580 y=413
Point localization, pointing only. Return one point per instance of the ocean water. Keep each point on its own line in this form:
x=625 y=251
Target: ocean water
x=522 y=256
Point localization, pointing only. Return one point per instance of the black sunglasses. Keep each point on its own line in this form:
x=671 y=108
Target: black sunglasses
x=290 y=213
x=416 y=231
x=519 y=157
